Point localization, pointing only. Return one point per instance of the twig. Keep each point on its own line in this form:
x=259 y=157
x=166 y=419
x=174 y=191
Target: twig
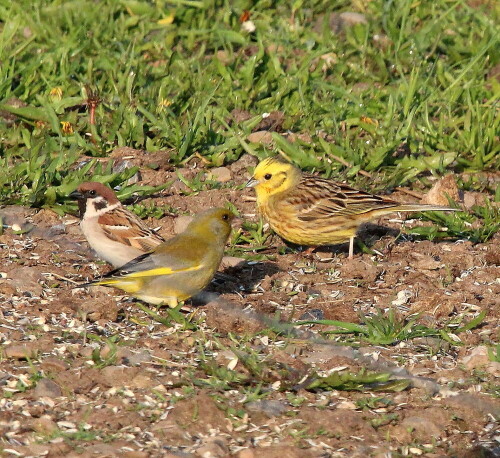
x=345 y=163
x=416 y=194
x=61 y=277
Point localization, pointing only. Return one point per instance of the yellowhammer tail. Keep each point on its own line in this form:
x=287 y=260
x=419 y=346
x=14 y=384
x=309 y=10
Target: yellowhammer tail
x=308 y=210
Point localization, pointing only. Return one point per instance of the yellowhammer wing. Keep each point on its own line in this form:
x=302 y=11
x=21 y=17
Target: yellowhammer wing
x=314 y=198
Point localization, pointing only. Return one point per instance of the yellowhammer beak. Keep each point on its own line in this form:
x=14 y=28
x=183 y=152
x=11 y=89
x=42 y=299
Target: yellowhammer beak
x=252 y=183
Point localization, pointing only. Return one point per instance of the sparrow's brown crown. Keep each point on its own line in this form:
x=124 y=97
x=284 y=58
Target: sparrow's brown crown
x=92 y=189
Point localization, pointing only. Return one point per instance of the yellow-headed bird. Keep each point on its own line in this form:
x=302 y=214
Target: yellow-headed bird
x=308 y=210
x=180 y=267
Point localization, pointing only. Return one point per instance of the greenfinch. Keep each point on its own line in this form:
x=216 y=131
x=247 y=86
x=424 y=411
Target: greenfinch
x=178 y=268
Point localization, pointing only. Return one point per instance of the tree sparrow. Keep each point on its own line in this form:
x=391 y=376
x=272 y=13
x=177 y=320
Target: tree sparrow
x=113 y=232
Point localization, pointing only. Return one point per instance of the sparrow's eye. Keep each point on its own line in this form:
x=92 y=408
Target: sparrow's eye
x=267 y=176
x=92 y=193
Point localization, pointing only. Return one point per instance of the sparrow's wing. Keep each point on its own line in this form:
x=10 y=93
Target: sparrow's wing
x=124 y=227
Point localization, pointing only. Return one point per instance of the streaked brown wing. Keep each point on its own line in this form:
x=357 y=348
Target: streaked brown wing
x=317 y=198
x=124 y=227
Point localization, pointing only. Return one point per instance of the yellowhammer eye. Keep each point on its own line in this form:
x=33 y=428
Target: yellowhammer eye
x=268 y=176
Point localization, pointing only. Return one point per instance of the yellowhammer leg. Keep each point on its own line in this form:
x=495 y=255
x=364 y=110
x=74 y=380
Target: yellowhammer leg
x=351 y=247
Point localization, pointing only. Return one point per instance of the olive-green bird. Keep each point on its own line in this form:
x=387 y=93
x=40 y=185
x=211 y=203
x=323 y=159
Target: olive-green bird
x=178 y=268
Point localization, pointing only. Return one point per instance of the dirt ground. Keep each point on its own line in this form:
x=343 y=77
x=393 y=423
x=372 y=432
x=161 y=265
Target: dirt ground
x=87 y=373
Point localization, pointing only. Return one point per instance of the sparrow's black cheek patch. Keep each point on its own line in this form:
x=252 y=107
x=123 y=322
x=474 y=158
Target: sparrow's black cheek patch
x=82 y=206
x=100 y=204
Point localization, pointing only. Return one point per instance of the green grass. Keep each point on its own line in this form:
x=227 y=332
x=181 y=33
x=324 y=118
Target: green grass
x=169 y=74
x=166 y=76
x=389 y=329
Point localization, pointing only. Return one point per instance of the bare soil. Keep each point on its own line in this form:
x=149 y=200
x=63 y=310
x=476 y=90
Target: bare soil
x=87 y=373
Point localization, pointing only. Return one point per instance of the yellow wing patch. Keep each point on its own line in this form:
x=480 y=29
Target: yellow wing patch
x=161 y=271
x=146 y=273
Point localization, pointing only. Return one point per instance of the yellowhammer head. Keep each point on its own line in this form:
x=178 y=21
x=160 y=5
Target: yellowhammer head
x=308 y=210
x=180 y=267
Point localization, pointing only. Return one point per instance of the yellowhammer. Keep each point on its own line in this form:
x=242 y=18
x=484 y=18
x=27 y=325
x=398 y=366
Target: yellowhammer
x=308 y=210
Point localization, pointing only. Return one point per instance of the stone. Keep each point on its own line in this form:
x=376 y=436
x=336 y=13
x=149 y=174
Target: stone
x=477 y=357
x=16 y=214
x=433 y=343
x=438 y=194
x=132 y=358
x=46 y=388
x=221 y=174
x=99 y=308
x=425 y=262
x=104 y=450
x=32 y=450
x=350 y=19
x=493 y=368
x=27 y=280
x=312 y=315
x=181 y=222
x=7 y=287
x=242 y=167
x=179 y=187
x=422 y=428
x=338 y=22
x=213 y=447
x=247 y=453
x=44 y=425
x=134 y=454
x=119 y=375
x=472 y=198
x=142 y=381
x=482 y=404
x=53 y=364
x=261 y=136
x=270 y=408
x=21 y=351
x=231 y=261
x=121 y=166
x=272 y=121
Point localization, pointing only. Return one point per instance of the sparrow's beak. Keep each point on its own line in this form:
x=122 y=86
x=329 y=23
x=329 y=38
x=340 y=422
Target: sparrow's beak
x=76 y=195
x=252 y=183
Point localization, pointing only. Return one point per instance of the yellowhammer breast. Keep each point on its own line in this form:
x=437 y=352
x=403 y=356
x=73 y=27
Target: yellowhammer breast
x=328 y=231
